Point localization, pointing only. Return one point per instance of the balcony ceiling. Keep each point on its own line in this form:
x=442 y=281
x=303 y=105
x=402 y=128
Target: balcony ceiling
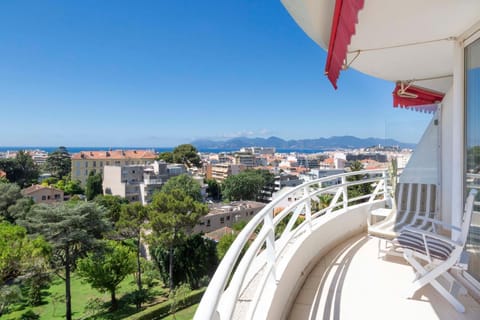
x=414 y=28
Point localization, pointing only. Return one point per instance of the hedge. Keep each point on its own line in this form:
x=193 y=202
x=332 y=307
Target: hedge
x=163 y=309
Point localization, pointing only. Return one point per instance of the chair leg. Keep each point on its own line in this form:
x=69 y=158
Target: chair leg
x=429 y=277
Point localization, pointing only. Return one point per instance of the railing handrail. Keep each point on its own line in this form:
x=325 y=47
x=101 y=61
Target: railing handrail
x=209 y=304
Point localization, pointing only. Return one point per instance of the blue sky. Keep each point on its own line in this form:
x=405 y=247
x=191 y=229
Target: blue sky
x=160 y=73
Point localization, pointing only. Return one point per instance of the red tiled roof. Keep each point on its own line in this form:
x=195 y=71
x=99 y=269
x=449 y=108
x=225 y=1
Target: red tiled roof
x=3 y=174
x=115 y=154
x=37 y=187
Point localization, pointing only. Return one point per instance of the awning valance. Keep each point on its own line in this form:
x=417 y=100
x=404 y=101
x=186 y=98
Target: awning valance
x=345 y=17
x=417 y=98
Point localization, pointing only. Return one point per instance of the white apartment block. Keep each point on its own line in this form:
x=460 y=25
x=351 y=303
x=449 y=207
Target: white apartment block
x=138 y=182
x=225 y=215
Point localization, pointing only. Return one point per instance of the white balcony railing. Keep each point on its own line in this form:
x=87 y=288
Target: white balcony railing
x=273 y=228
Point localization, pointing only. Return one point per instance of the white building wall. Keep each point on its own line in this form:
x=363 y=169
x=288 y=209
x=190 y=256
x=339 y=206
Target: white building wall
x=112 y=181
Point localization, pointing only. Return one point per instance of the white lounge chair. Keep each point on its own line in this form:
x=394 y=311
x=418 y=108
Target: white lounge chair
x=438 y=253
x=413 y=202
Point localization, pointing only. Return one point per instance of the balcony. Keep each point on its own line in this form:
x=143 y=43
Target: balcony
x=314 y=260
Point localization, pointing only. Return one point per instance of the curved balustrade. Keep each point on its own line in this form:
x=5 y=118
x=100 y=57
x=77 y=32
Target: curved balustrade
x=254 y=255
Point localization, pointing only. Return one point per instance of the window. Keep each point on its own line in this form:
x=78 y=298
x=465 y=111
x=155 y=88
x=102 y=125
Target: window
x=208 y=223
x=94 y=163
x=101 y=163
x=108 y=163
x=57 y=196
x=228 y=218
x=86 y=164
x=222 y=220
x=472 y=147
x=44 y=197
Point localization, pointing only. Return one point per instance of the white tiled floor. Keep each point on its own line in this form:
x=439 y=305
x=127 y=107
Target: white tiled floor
x=352 y=282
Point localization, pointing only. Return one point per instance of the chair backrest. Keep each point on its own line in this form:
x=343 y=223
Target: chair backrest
x=415 y=200
x=467 y=216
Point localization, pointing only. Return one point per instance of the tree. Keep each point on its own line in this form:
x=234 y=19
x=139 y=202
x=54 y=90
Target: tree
x=186 y=183
x=72 y=229
x=246 y=185
x=186 y=154
x=73 y=187
x=113 y=204
x=166 y=156
x=21 y=170
x=59 y=163
x=214 y=189
x=130 y=224
x=170 y=215
x=194 y=259
x=104 y=269
x=93 y=186
x=9 y=194
x=224 y=244
x=12 y=202
x=22 y=260
x=359 y=189
x=17 y=251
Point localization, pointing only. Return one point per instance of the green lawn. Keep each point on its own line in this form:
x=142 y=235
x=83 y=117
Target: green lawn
x=82 y=293
x=184 y=314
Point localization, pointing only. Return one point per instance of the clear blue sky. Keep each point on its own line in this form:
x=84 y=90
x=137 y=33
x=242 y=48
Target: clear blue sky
x=160 y=73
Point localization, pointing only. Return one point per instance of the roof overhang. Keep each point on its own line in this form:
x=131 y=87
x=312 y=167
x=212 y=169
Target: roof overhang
x=396 y=40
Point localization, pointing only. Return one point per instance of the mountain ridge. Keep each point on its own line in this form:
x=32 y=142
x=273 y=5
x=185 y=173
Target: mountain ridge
x=343 y=142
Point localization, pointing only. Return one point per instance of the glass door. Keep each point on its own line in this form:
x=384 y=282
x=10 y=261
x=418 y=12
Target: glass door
x=472 y=149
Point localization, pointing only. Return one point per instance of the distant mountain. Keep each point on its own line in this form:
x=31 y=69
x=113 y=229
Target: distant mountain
x=344 y=142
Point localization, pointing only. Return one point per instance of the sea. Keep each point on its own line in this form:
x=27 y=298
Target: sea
x=73 y=150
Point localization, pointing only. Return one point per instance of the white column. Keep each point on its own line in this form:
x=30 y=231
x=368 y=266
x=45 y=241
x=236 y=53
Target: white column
x=458 y=131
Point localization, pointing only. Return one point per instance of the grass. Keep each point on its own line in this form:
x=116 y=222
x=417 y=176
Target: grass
x=54 y=303
x=184 y=314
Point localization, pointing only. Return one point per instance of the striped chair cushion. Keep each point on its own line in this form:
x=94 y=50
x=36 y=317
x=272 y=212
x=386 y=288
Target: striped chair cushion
x=438 y=249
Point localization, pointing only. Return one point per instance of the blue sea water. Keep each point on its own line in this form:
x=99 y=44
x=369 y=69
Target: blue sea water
x=72 y=150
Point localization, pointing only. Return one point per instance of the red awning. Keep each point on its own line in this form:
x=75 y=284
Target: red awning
x=345 y=17
x=407 y=96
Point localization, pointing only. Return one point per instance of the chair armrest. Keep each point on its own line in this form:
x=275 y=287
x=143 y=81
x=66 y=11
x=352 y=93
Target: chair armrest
x=432 y=235
x=443 y=224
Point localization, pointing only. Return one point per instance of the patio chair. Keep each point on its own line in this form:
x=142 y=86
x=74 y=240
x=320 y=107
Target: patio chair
x=413 y=202
x=440 y=253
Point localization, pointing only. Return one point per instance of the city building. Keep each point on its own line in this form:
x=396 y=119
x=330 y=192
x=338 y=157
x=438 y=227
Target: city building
x=139 y=182
x=94 y=161
x=225 y=215
x=259 y=150
x=247 y=159
x=284 y=179
x=43 y=194
x=222 y=171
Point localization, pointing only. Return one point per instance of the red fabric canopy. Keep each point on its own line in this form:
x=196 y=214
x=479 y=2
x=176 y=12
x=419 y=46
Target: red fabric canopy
x=345 y=17
x=415 y=96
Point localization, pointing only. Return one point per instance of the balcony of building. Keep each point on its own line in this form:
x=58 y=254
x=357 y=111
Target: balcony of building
x=313 y=259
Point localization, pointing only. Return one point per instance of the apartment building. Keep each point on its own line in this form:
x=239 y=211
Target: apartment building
x=94 y=161
x=245 y=158
x=43 y=194
x=139 y=182
x=225 y=215
x=259 y=150
x=222 y=171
